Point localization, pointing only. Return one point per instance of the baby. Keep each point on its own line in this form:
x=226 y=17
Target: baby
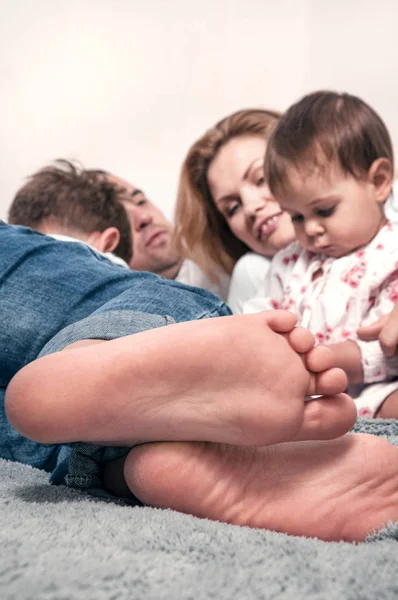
x=329 y=164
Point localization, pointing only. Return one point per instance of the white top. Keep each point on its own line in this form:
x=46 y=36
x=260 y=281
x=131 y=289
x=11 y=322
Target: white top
x=352 y=290
x=191 y=274
x=247 y=280
x=109 y=255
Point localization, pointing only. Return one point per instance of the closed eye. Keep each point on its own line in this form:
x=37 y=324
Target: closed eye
x=231 y=209
x=325 y=212
x=297 y=218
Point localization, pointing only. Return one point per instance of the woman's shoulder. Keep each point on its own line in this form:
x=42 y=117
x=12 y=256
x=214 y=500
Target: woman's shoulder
x=248 y=278
x=252 y=262
x=249 y=272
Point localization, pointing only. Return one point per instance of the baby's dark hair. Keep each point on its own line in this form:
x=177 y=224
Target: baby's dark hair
x=77 y=199
x=325 y=127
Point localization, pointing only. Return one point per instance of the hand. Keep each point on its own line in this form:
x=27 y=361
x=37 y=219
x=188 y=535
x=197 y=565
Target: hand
x=385 y=330
x=347 y=356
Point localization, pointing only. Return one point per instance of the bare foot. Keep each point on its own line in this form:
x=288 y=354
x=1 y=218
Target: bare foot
x=334 y=490
x=239 y=380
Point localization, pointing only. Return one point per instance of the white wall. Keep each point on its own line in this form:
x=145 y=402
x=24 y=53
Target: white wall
x=127 y=85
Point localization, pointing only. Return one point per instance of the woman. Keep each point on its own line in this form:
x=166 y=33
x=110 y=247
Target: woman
x=224 y=207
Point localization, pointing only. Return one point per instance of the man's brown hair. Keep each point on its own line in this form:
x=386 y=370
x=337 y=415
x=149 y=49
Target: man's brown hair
x=326 y=127
x=78 y=200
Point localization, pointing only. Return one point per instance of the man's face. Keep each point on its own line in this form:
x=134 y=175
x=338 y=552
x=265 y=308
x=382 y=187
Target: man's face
x=154 y=248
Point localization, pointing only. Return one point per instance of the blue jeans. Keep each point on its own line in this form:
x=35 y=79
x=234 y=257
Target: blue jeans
x=47 y=285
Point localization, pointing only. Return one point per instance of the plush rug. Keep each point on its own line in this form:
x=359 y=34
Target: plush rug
x=61 y=544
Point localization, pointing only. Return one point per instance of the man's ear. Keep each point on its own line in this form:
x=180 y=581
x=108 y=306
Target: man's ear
x=105 y=241
x=381 y=176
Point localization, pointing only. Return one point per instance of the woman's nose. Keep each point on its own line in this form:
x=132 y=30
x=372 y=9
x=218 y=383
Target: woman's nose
x=253 y=201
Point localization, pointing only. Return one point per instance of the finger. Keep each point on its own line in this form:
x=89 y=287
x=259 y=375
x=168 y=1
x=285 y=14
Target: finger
x=389 y=338
x=371 y=332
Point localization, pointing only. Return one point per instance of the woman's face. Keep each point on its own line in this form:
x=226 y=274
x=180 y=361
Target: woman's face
x=240 y=193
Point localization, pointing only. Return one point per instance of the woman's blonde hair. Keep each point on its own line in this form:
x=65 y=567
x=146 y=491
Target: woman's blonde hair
x=201 y=231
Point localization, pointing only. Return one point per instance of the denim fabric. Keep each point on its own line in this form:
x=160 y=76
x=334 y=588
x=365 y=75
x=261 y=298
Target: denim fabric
x=83 y=470
x=106 y=325
x=47 y=285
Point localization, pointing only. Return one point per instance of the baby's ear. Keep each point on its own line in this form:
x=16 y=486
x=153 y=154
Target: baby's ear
x=108 y=239
x=381 y=176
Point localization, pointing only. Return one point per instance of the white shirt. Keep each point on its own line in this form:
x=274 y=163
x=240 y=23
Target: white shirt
x=247 y=280
x=109 y=255
x=191 y=274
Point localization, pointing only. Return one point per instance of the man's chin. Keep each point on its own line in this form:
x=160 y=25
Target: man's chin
x=167 y=267
x=170 y=269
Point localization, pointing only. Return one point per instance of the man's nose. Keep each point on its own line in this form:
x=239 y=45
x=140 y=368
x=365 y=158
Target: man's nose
x=141 y=218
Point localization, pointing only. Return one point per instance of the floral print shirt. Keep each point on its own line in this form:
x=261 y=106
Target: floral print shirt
x=332 y=297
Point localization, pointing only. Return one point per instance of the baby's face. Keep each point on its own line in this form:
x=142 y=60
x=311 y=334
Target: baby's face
x=332 y=213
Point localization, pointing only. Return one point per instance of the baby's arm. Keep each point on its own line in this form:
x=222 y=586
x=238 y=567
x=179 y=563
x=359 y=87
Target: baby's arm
x=365 y=362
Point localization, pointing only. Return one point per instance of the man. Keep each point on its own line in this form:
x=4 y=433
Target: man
x=68 y=203
x=154 y=244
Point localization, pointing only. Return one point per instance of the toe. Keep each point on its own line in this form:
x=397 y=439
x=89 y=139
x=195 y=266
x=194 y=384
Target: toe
x=327 y=418
x=280 y=321
x=301 y=340
x=319 y=359
x=327 y=383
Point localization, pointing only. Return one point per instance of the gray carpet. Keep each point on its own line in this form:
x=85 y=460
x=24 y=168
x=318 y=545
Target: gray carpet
x=60 y=544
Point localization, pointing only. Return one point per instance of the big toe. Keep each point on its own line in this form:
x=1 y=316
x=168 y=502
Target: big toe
x=327 y=383
x=327 y=418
